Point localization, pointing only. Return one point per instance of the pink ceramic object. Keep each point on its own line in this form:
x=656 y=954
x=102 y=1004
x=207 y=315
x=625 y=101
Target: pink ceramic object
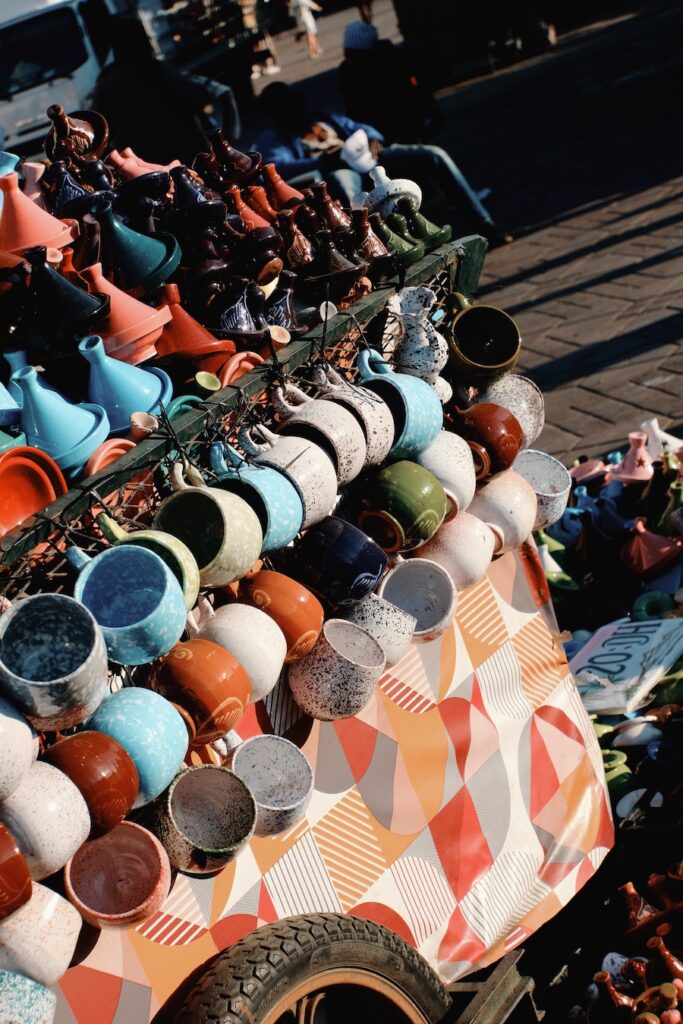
x=588 y=470
x=132 y=328
x=108 y=452
x=636 y=466
x=130 y=166
x=33 y=172
x=23 y=224
x=464 y=547
x=142 y=425
x=119 y=880
x=507 y=503
x=39 y=938
x=648 y=554
x=238 y=366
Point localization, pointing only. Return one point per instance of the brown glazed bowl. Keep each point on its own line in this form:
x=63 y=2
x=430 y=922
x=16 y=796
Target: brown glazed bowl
x=15 y=880
x=493 y=434
x=297 y=612
x=103 y=772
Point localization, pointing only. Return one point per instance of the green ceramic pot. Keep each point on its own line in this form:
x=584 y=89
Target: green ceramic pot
x=401 y=506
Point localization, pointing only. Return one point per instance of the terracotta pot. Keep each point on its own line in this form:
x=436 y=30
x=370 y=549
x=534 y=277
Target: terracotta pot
x=523 y=399
x=132 y=329
x=297 y=612
x=23 y=224
x=493 y=434
x=15 y=880
x=108 y=452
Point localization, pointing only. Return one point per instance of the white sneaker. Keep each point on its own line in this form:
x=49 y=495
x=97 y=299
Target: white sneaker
x=271 y=69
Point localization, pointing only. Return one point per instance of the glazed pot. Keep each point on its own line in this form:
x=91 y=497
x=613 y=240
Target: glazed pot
x=523 y=399
x=328 y=424
x=450 y=459
x=48 y=817
x=337 y=561
x=103 y=772
x=208 y=686
x=135 y=599
x=551 y=483
x=39 y=939
x=507 y=504
x=493 y=434
x=24 y=1000
x=414 y=405
x=15 y=879
x=401 y=506
x=370 y=410
x=280 y=779
x=119 y=880
x=53 y=660
x=271 y=494
x=220 y=529
x=391 y=627
x=425 y=590
x=420 y=351
x=204 y=818
x=297 y=612
x=309 y=468
x=484 y=342
x=463 y=547
x=337 y=679
x=150 y=730
x=18 y=748
x=252 y=637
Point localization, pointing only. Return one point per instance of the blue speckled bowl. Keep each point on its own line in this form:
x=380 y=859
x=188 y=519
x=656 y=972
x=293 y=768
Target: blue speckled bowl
x=24 y=1000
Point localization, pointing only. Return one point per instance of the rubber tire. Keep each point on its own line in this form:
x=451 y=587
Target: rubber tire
x=243 y=983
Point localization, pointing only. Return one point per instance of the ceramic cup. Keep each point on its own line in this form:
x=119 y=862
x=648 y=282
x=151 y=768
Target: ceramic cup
x=450 y=459
x=551 y=482
x=220 y=529
x=150 y=730
x=507 y=504
x=391 y=627
x=48 y=817
x=309 y=468
x=252 y=637
x=425 y=590
x=119 y=880
x=207 y=685
x=280 y=779
x=337 y=679
x=414 y=405
x=25 y=1001
x=523 y=399
x=271 y=494
x=463 y=547
x=371 y=411
x=338 y=561
x=401 y=506
x=39 y=939
x=484 y=342
x=103 y=772
x=327 y=424
x=204 y=818
x=493 y=434
x=53 y=660
x=17 y=748
x=297 y=612
x=135 y=599
x=15 y=879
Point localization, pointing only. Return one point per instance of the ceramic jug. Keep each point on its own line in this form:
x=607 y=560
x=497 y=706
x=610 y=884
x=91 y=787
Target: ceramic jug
x=387 y=191
x=421 y=351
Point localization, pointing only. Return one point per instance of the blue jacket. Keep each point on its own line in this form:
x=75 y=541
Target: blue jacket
x=287 y=150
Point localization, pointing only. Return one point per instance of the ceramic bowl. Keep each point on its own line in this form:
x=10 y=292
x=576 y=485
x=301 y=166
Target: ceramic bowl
x=204 y=819
x=506 y=503
x=280 y=778
x=449 y=458
x=15 y=880
x=391 y=627
x=551 y=482
x=372 y=412
x=401 y=506
x=17 y=749
x=523 y=399
x=463 y=547
x=297 y=612
x=327 y=424
x=254 y=639
x=119 y=880
x=425 y=590
x=337 y=561
x=39 y=939
x=24 y=1001
x=485 y=343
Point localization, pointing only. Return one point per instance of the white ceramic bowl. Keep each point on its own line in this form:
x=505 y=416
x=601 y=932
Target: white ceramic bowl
x=550 y=481
x=426 y=591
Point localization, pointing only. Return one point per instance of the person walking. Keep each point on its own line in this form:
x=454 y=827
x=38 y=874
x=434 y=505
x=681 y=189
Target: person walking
x=302 y=12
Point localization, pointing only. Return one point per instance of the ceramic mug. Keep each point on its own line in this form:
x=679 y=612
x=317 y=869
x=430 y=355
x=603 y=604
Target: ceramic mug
x=463 y=547
x=25 y=1001
x=425 y=590
x=337 y=679
x=15 y=878
x=279 y=777
x=251 y=636
x=414 y=405
x=391 y=627
x=337 y=561
x=327 y=424
x=220 y=529
x=523 y=399
x=48 y=817
x=309 y=468
x=207 y=685
x=103 y=772
x=40 y=938
x=204 y=818
x=484 y=342
x=53 y=660
x=135 y=599
x=18 y=749
x=370 y=410
x=297 y=612
x=450 y=459
x=271 y=494
x=401 y=506
x=551 y=482
x=507 y=504
x=120 y=879
x=150 y=730
x=493 y=434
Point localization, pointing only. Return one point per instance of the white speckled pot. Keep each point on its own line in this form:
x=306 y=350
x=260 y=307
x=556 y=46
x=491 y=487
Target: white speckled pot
x=252 y=637
x=280 y=779
x=463 y=547
x=507 y=504
x=421 y=351
x=449 y=458
x=372 y=411
x=391 y=627
x=523 y=399
x=39 y=939
x=425 y=590
x=48 y=817
x=24 y=1000
x=338 y=677
x=550 y=481
x=17 y=748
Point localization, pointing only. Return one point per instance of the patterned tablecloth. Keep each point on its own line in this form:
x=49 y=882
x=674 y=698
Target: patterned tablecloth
x=463 y=808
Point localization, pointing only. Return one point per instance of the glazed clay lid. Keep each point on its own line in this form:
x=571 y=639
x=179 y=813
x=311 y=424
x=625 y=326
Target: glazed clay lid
x=588 y=470
x=24 y=489
x=648 y=553
x=42 y=460
x=129 y=319
x=108 y=452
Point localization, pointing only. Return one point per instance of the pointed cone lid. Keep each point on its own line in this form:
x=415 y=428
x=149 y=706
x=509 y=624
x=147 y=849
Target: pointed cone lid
x=122 y=389
x=637 y=462
x=57 y=299
x=9 y=409
x=129 y=319
x=24 y=224
x=135 y=260
x=648 y=553
x=183 y=334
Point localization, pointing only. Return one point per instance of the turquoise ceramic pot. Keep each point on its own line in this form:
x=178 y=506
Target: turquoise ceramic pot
x=414 y=404
x=23 y=999
x=122 y=389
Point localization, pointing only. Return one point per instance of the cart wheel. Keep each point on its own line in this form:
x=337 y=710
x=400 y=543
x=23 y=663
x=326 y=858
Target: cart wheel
x=314 y=969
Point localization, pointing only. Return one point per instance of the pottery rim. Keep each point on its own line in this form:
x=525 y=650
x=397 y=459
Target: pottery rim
x=488 y=367
x=185 y=773
x=277 y=807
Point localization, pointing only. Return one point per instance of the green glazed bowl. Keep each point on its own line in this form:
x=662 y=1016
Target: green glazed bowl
x=401 y=506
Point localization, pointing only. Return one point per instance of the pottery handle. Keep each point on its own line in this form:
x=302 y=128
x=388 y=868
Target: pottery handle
x=370 y=364
x=78 y=558
x=111 y=530
x=253 y=447
x=198 y=617
x=288 y=400
x=460 y=300
x=217 y=460
x=178 y=481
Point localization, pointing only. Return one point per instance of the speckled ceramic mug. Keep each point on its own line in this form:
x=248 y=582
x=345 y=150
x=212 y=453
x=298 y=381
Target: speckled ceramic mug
x=371 y=410
x=280 y=779
x=39 y=939
x=25 y=1001
x=449 y=458
x=18 y=748
x=551 y=483
x=425 y=590
x=391 y=626
x=507 y=503
x=463 y=547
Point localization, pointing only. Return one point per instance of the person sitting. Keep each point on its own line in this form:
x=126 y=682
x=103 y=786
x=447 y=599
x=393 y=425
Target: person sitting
x=300 y=142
